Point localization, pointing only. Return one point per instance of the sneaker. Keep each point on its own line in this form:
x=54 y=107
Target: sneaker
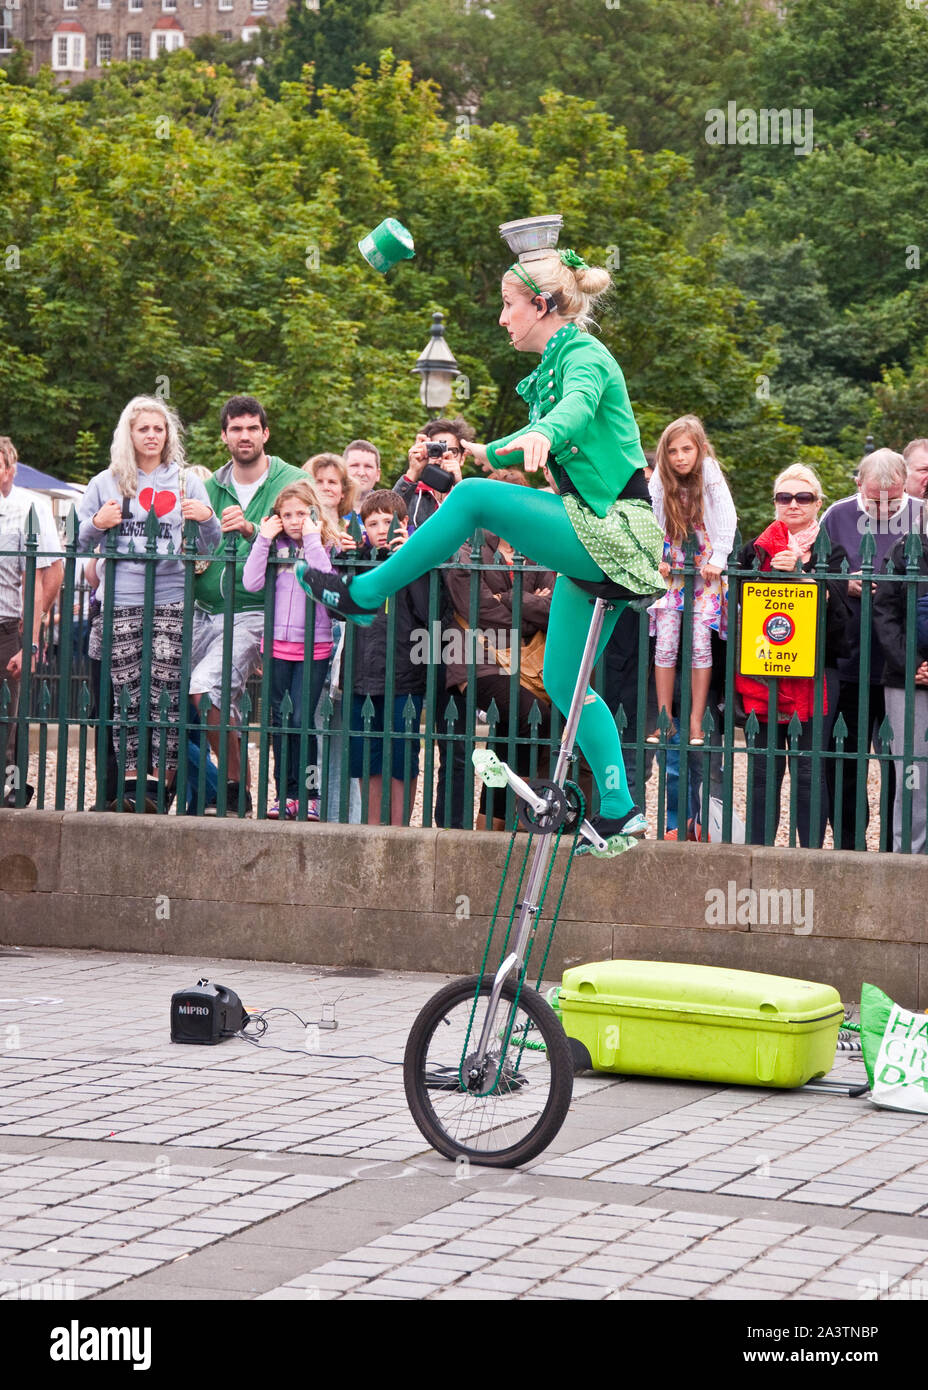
x=232 y=793
x=273 y=811
x=10 y=798
x=615 y=844
x=312 y=809
x=293 y=807
x=630 y=827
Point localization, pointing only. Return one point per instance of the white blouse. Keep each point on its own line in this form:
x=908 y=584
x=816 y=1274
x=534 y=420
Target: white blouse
x=718 y=510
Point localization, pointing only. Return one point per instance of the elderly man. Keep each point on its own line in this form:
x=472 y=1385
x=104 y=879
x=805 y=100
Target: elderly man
x=880 y=505
x=15 y=503
x=915 y=454
x=362 y=459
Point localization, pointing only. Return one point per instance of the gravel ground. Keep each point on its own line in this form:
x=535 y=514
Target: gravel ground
x=71 y=799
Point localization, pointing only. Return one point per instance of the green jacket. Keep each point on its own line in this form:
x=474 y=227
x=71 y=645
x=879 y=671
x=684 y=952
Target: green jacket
x=222 y=494
x=578 y=399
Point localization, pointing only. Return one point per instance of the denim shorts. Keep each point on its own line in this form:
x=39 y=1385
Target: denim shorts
x=206 y=654
x=398 y=744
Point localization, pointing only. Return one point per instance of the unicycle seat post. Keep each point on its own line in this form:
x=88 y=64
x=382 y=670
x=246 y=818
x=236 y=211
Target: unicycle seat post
x=600 y=607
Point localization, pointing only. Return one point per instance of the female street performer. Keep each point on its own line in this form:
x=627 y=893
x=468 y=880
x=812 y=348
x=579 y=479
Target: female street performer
x=600 y=528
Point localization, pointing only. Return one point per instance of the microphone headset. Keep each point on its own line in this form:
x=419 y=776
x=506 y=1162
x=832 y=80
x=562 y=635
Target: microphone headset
x=545 y=301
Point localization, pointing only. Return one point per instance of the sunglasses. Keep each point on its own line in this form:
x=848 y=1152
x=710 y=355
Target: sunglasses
x=783 y=499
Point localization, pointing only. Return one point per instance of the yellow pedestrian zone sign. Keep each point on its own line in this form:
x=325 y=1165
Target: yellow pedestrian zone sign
x=778 y=625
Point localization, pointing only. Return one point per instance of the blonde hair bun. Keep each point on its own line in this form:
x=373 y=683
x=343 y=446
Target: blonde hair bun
x=575 y=292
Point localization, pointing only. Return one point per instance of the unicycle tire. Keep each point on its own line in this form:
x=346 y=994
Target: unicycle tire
x=525 y=1110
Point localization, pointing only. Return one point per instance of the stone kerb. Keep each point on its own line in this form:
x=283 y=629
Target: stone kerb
x=398 y=899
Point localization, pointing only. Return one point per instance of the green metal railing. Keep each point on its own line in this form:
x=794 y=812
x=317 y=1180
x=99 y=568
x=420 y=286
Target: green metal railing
x=70 y=729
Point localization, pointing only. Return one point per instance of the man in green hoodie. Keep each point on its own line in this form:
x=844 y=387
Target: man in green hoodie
x=242 y=493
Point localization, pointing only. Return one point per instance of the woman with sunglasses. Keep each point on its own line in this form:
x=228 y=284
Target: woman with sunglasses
x=785 y=548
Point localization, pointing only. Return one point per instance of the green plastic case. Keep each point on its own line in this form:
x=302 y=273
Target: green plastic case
x=700 y=1022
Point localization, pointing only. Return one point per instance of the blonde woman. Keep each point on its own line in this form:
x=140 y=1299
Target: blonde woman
x=601 y=526
x=337 y=492
x=784 y=549
x=147 y=474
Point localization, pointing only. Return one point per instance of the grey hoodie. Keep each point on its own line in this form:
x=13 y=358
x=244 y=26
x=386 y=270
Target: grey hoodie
x=160 y=491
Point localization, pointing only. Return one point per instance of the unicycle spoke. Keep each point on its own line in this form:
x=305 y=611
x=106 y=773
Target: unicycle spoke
x=517 y=1102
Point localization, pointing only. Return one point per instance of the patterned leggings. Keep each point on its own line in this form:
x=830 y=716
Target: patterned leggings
x=126 y=674
x=667 y=645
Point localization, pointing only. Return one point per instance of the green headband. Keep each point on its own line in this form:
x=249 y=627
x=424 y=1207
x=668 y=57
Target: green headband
x=569 y=258
x=517 y=271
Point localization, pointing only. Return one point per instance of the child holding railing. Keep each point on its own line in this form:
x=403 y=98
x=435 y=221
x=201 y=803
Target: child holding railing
x=296 y=528
x=690 y=498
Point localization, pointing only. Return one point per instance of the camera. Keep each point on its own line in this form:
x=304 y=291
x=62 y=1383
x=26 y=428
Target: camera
x=436 y=478
x=434 y=450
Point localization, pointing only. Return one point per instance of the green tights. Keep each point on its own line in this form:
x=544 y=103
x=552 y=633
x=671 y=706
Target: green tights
x=537 y=525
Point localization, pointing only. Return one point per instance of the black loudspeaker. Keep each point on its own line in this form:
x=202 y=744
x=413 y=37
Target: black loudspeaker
x=206 y=1013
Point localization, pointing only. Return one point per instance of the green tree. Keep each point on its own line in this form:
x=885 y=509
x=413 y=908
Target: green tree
x=331 y=35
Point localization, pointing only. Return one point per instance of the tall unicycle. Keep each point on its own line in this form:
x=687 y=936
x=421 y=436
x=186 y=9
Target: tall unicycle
x=488 y=1068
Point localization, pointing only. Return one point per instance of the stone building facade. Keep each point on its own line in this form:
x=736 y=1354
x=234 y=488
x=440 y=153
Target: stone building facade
x=77 y=38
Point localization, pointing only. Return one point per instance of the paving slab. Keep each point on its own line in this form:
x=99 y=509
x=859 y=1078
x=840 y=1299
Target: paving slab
x=136 y=1169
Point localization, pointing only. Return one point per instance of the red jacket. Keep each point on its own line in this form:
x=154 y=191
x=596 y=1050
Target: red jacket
x=795 y=694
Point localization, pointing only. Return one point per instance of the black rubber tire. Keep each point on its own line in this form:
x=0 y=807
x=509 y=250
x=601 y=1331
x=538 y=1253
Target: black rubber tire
x=580 y=1055
x=558 y=1079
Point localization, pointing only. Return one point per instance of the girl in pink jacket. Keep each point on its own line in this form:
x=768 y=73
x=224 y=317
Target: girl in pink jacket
x=295 y=529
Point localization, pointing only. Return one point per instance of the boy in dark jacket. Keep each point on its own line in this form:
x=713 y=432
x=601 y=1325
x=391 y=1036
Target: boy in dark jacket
x=387 y=662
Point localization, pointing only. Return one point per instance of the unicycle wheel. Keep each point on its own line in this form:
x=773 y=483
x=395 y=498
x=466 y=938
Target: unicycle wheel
x=531 y=1085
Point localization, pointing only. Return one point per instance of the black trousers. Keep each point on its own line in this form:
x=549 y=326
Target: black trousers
x=855 y=775
x=452 y=755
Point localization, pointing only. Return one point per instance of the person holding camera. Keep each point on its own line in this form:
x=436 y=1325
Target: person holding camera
x=433 y=468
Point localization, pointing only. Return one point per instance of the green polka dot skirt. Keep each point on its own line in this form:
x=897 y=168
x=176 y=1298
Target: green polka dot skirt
x=627 y=543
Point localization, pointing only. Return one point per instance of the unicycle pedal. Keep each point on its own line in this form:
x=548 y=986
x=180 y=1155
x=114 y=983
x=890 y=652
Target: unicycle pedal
x=489 y=768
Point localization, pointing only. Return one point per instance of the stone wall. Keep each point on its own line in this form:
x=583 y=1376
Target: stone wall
x=421 y=899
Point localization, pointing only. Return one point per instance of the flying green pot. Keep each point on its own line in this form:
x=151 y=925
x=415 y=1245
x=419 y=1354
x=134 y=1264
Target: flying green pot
x=386 y=245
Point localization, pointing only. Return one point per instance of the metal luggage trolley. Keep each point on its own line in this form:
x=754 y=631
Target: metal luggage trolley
x=488 y=1068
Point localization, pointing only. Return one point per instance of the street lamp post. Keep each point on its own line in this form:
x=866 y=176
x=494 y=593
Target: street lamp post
x=437 y=369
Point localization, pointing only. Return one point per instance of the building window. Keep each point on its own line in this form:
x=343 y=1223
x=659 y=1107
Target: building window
x=68 y=53
x=133 y=46
x=104 y=49
x=165 y=41
x=70 y=4
x=250 y=31
x=169 y=6
x=104 y=4
x=259 y=6
x=134 y=6
x=6 y=31
x=225 y=35
x=226 y=4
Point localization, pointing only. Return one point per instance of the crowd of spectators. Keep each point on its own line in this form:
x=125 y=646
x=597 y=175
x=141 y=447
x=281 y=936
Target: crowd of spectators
x=256 y=515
